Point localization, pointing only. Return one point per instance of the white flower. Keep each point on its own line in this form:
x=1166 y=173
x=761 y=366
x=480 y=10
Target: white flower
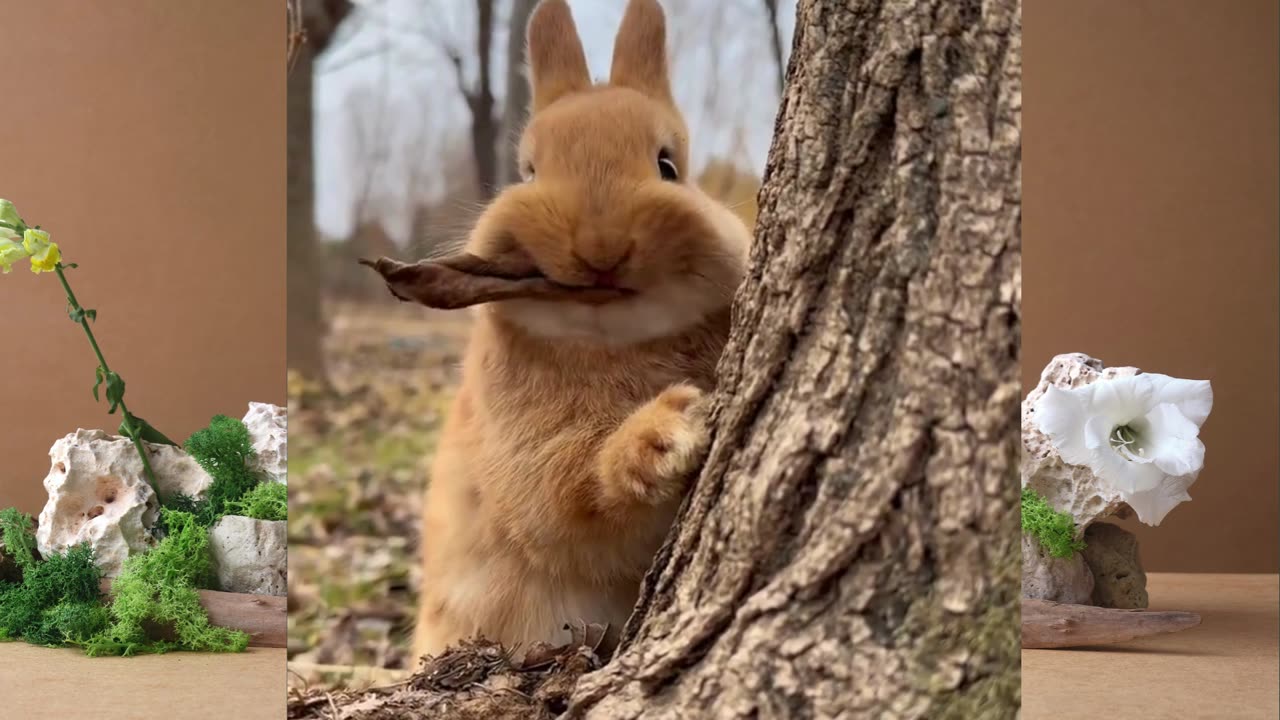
x=1140 y=434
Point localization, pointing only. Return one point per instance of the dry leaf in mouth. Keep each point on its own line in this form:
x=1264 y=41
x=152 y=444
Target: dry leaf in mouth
x=464 y=280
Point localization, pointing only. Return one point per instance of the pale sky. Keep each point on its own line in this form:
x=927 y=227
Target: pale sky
x=385 y=70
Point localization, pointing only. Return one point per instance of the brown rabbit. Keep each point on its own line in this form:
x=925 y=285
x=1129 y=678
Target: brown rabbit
x=603 y=284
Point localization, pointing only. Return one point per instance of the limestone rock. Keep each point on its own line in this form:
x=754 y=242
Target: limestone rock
x=269 y=430
x=99 y=495
x=1070 y=488
x=177 y=473
x=1112 y=556
x=1044 y=577
x=250 y=556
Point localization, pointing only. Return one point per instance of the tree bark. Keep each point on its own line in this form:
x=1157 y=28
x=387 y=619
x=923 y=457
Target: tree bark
x=515 y=110
x=306 y=326
x=851 y=548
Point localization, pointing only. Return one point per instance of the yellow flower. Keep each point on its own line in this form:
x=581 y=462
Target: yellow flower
x=9 y=217
x=8 y=214
x=45 y=255
x=10 y=253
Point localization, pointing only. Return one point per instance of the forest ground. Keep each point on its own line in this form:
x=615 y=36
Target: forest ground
x=358 y=458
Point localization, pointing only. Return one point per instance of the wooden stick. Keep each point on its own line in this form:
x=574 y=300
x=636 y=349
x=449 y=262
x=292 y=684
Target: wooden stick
x=1048 y=624
x=264 y=617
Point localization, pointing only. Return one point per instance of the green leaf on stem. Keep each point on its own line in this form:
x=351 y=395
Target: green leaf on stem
x=78 y=314
x=115 y=391
x=70 y=266
x=147 y=433
x=98 y=373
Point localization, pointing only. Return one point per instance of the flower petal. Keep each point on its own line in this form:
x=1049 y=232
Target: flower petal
x=1173 y=441
x=1123 y=474
x=1152 y=505
x=10 y=253
x=1122 y=400
x=1061 y=415
x=1193 y=398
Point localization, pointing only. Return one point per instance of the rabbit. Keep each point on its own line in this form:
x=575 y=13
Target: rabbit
x=601 y=288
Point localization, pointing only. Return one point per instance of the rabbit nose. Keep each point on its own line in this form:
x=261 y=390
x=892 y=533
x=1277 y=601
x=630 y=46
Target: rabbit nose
x=606 y=272
x=606 y=278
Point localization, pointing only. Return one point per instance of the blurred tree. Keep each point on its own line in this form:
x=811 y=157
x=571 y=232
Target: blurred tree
x=306 y=326
x=516 y=104
x=479 y=98
x=775 y=41
x=851 y=548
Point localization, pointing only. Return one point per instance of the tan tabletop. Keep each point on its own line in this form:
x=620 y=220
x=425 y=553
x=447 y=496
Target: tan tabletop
x=1228 y=667
x=37 y=682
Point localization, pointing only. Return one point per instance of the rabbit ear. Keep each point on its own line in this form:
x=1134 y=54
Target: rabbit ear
x=557 y=65
x=640 y=51
x=464 y=280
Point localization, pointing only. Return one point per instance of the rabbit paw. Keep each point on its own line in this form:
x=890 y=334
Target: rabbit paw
x=654 y=453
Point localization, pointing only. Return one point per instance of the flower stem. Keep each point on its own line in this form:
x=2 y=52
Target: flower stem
x=132 y=427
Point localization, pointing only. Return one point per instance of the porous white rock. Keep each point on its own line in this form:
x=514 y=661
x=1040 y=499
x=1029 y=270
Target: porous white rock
x=250 y=556
x=177 y=473
x=1044 y=577
x=99 y=495
x=269 y=431
x=1069 y=488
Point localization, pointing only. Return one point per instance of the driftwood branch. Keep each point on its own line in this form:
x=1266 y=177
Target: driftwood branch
x=262 y=616
x=1048 y=624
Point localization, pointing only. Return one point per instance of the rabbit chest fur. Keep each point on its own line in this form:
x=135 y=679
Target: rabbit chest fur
x=522 y=532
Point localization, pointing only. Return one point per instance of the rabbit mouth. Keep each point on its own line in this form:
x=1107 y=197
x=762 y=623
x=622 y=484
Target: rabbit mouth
x=599 y=293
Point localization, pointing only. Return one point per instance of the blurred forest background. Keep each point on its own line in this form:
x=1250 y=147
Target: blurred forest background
x=403 y=117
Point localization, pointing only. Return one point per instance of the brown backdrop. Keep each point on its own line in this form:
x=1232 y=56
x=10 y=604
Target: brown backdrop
x=148 y=137
x=1151 y=238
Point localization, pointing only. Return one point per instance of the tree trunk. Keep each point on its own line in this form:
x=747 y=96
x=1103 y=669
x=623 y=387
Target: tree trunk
x=306 y=326
x=851 y=548
x=515 y=111
x=775 y=41
x=305 y=323
x=484 y=126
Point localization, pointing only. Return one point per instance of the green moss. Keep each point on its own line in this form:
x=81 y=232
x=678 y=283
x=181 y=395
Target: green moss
x=1055 y=530
x=62 y=578
x=72 y=623
x=185 y=504
x=160 y=587
x=989 y=637
x=266 y=501
x=18 y=536
x=223 y=449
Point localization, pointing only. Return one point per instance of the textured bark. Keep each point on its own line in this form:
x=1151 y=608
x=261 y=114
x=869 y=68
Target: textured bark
x=306 y=327
x=851 y=547
x=1048 y=624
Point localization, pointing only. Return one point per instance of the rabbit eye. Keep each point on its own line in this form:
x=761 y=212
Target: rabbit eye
x=667 y=166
